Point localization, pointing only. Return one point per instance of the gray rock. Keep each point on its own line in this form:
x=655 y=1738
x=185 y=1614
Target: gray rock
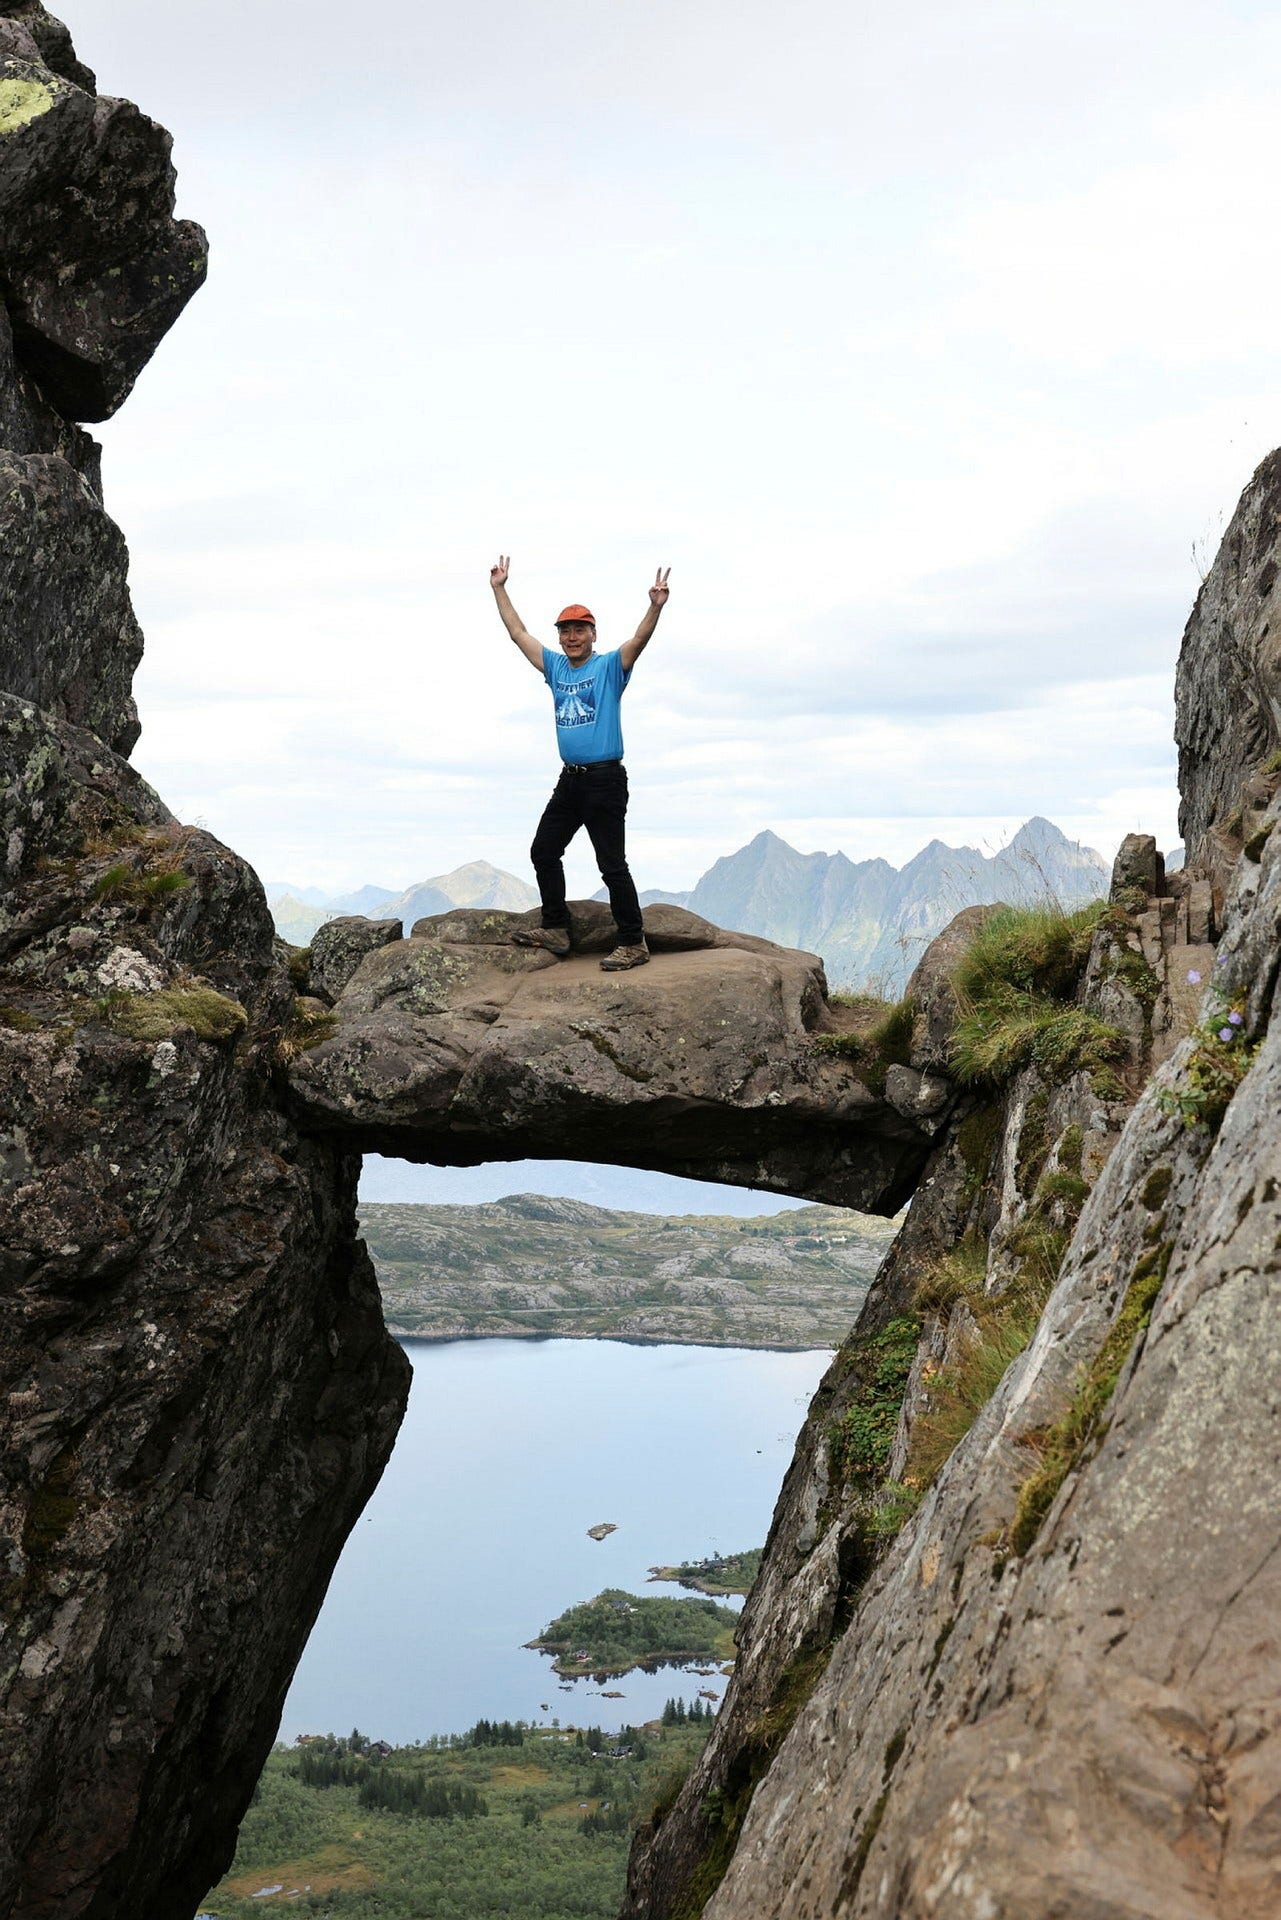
x=94 y=265
x=458 y=1046
x=1118 y=1680
x=1137 y=864
x=1080 y=1719
x=68 y=638
x=1228 y=686
x=86 y=198
x=200 y=1391
x=930 y=989
x=339 y=946
x=916 y=1095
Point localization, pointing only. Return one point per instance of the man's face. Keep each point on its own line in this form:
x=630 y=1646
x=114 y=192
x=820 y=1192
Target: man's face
x=576 y=640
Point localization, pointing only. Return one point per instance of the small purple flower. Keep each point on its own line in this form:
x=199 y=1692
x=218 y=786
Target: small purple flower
x=1194 y=978
x=1236 y=1019
x=1221 y=960
x=1226 y=1033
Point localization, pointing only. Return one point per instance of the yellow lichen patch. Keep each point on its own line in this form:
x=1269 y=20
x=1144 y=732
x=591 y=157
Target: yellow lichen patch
x=22 y=101
x=330 y=1870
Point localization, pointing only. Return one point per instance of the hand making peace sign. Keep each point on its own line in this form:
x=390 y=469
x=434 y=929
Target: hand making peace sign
x=659 y=591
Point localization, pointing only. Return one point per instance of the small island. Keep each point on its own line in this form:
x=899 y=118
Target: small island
x=618 y=1631
x=718 y=1573
x=602 y=1530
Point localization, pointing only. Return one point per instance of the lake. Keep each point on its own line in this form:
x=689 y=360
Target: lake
x=477 y=1534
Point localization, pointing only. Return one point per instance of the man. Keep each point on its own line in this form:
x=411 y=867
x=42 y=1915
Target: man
x=587 y=688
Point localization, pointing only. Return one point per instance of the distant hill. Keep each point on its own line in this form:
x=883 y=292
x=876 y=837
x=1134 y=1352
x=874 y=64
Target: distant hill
x=870 y=921
x=298 y=911
x=530 y=1265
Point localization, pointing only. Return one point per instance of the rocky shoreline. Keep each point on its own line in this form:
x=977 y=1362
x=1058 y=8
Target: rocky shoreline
x=530 y=1267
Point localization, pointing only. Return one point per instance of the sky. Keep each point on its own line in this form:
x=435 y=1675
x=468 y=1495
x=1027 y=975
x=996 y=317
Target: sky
x=930 y=347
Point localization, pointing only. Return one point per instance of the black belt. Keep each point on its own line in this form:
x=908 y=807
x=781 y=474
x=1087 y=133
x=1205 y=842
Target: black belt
x=588 y=765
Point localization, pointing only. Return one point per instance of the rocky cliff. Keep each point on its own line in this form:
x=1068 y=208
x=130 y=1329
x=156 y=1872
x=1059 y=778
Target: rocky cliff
x=1013 y=1647
x=200 y=1392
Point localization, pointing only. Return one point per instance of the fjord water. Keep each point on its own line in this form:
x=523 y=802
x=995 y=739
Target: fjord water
x=477 y=1534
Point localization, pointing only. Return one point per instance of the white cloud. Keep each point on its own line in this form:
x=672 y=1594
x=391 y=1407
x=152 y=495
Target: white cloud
x=922 y=345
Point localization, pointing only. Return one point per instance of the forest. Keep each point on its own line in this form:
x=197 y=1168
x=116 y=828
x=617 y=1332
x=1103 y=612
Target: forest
x=509 y=1820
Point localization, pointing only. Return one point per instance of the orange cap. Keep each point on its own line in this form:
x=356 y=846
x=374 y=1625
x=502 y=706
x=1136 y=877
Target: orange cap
x=575 y=612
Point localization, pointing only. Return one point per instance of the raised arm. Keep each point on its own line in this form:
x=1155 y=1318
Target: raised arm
x=631 y=650
x=515 y=626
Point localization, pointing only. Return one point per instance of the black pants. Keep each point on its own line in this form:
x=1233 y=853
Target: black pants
x=595 y=798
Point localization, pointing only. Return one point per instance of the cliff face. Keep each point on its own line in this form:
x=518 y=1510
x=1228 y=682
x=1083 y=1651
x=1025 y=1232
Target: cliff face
x=1038 y=1673
x=1228 y=688
x=200 y=1394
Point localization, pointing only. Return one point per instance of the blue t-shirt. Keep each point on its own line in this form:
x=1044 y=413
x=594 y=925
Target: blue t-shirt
x=589 y=725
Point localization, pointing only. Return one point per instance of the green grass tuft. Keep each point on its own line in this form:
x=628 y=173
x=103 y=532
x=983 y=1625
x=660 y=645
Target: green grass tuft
x=111 y=884
x=958 y=1392
x=1011 y=986
x=955 y=1275
x=156 y=1016
x=162 y=881
x=1011 y=1029
x=885 y=1042
x=1037 y=950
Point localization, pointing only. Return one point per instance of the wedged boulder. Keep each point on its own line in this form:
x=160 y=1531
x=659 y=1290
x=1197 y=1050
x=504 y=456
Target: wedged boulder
x=592 y=928
x=95 y=268
x=456 y=1046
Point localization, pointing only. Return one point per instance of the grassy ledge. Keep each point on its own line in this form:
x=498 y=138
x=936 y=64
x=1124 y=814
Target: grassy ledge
x=884 y=1041
x=1014 y=986
x=1075 y=1438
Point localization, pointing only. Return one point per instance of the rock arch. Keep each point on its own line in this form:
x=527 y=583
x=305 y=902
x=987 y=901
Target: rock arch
x=456 y=1046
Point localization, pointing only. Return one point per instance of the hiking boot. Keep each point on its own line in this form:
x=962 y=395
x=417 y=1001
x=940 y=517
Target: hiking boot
x=623 y=957
x=551 y=939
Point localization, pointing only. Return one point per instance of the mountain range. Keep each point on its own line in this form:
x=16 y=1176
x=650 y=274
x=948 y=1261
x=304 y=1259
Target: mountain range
x=869 y=920
x=298 y=911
